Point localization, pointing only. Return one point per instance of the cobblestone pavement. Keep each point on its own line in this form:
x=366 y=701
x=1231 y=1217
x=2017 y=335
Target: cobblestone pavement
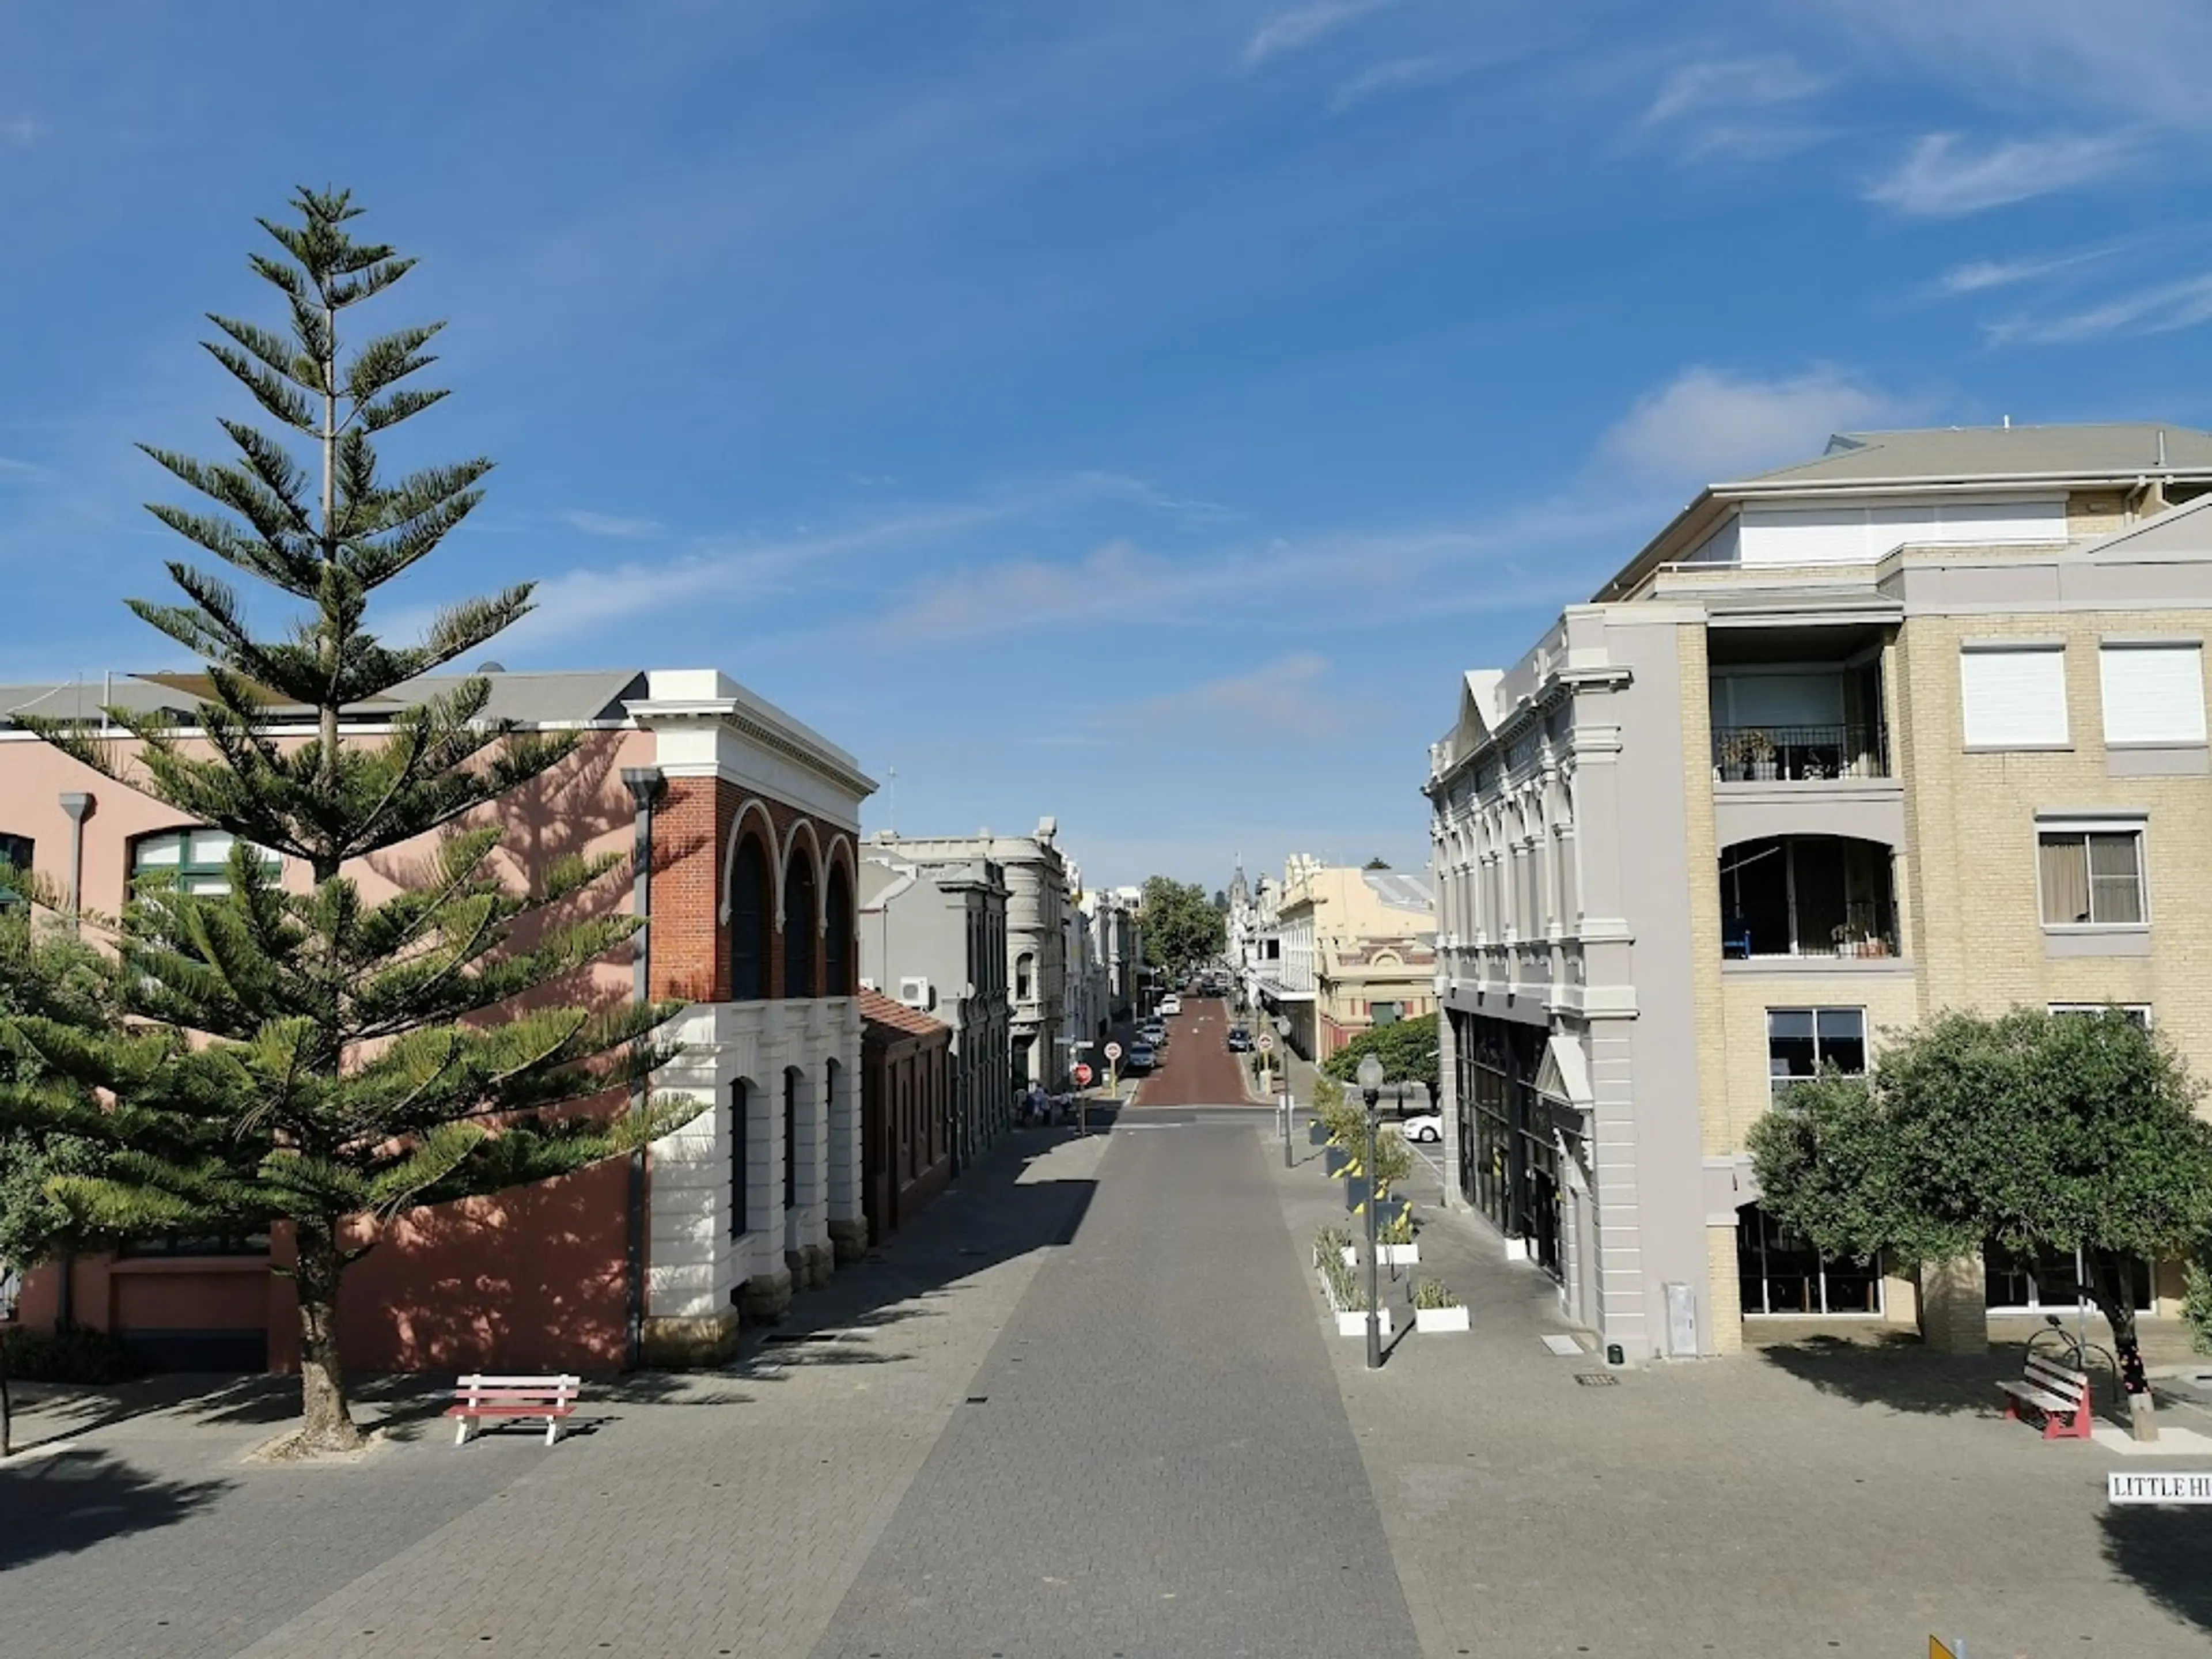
x=1156 y=1463
x=714 y=1515
x=1807 y=1499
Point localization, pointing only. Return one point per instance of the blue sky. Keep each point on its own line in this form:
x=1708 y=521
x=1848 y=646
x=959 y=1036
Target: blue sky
x=1136 y=411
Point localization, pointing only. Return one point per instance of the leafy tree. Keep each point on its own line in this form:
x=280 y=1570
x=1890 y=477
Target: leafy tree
x=1407 y=1048
x=1180 y=928
x=1378 y=862
x=312 y=1058
x=43 y=970
x=2032 y=1131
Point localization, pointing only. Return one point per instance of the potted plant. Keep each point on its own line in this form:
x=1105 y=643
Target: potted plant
x=1395 y=1240
x=1736 y=757
x=1761 y=748
x=1436 y=1309
x=1348 y=1296
x=1332 y=1244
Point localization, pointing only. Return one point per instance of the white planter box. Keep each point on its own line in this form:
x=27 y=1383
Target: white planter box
x=1351 y=1255
x=1355 y=1324
x=1440 y=1319
x=1516 y=1249
x=1401 y=1256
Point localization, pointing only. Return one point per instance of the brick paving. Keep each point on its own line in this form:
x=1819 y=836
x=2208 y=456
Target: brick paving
x=1799 y=1500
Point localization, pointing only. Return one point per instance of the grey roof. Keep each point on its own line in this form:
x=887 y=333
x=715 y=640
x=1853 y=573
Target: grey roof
x=2120 y=450
x=531 y=699
x=1399 y=891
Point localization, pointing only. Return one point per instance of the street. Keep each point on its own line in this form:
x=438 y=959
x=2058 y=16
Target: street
x=1090 y=1404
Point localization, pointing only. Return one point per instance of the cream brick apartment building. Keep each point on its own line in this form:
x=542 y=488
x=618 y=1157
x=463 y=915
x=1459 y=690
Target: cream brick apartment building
x=1919 y=724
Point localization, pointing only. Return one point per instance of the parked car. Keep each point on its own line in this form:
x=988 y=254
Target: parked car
x=1171 y=1004
x=1240 y=1039
x=1423 y=1126
x=1143 y=1057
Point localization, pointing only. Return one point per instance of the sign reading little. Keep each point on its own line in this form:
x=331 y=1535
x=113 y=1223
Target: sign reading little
x=2158 y=1488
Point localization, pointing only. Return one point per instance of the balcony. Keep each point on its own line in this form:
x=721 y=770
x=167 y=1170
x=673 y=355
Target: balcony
x=1799 y=754
x=1819 y=899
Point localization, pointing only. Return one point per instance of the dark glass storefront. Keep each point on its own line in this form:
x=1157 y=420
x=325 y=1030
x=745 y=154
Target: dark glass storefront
x=1509 y=1154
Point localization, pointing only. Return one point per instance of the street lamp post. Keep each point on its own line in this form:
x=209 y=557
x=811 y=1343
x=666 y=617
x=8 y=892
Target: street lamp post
x=1283 y=1078
x=1371 y=1089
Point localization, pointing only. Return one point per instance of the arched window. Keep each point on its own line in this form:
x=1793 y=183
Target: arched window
x=837 y=946
x=751 y=917
x=800 y=926
x=1024 y=976
x=740 y=1133
x=791 y=1091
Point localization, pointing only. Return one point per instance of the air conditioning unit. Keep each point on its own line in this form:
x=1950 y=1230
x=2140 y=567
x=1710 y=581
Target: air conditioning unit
x=870 y=985
x=917 y=993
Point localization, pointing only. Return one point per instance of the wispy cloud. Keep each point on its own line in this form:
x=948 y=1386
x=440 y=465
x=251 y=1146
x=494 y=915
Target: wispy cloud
x=611 y=526
x=1983 y=276
x=1294 y=30
x=1706 y=425
x=1398 y=74
x=1731 y=85
x=21 y=132
x=1944 y=177
x=2162 y=309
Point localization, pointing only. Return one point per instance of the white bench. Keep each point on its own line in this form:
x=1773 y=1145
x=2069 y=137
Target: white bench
x=2056 y=1389
x=552 y=1398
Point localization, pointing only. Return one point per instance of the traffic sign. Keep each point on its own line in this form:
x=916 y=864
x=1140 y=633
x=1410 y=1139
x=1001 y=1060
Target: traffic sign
x=1113 y=1051
x=1082 y=1077
x=1266 y=1043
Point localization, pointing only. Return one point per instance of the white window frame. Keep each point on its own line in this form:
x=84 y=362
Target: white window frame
x=2140 y=1009
x=1990 y=648
x=2139 y=828
x=199 y=876
x=2192 y=732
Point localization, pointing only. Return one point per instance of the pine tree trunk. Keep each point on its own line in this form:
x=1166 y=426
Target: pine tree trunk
x=325 y=1421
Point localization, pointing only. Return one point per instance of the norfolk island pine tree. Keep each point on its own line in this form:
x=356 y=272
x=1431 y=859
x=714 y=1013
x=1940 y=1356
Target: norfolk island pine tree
x=312 y=1059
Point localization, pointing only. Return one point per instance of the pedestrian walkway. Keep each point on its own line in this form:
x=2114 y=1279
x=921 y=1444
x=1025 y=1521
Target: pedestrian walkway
x=1153 y=1461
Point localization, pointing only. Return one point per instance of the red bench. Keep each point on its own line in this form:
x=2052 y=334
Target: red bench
x=552 y=1398
x=2056 y=1391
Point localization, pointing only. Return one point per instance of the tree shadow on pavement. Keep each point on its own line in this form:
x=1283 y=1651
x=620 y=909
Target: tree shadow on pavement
x=66 y=1501
x=2167 y=1554
x=1897 y=1371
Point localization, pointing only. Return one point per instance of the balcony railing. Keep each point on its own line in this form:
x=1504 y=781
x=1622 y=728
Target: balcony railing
x=1868 y=929
x=1747 y=753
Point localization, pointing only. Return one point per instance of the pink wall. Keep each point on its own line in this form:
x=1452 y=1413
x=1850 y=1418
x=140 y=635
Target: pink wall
x=530 y=1278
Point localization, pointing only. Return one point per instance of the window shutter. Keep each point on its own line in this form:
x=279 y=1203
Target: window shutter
x=2152 y=693
x=2014 y=698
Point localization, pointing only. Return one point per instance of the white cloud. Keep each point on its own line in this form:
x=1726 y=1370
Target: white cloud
x=1707 y=425
x=1398 y=73
x=21 y=131
x=1941 y=178
x=1982 y=276
x=1289 y=688
x=611 y=526
x=1731 y=85
x=1293 y=31
x=2158 y=310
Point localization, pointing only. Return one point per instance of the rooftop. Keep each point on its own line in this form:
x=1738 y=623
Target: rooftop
x=1996 y=453
x=877 y=1009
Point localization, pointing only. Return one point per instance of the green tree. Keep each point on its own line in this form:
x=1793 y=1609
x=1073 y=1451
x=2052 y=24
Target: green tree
x=1181 y=928
x=2035 y=1131
x=1407 y=1048
x=1378 y=862
x=313 y=1059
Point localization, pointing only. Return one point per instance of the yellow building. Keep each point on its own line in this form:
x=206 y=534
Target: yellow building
x=1917 y=724
x=1358 y=950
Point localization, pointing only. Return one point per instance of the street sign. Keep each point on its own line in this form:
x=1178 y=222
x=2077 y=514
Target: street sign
x=1082 y=1077
x=1939 y=1649
x=2170 y=1488
x=1266 y=1043
x=1113 y=1051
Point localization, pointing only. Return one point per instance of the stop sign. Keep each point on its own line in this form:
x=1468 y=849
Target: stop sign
x=1082 y=1076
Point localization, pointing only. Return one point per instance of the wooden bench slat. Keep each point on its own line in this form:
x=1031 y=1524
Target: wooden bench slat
x=514 y=1394
x=481 y=1396
x=510 y=1411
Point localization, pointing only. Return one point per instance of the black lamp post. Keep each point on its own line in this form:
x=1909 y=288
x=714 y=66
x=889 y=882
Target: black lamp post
x=1283 y=1036
x=1370 y=1089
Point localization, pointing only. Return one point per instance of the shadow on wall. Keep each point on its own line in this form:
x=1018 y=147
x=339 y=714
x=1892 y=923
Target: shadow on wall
x=71 y=1500
x=989 y=1216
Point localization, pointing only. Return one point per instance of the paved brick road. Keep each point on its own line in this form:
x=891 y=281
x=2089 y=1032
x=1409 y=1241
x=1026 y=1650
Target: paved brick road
x=1199 y=1069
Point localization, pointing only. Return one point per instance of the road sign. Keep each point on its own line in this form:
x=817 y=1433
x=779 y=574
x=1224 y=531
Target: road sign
x=1266 y=1043
x=1113 y=1051
x=2170 y=1488
x=1082 y=1077
x=1939 y=1649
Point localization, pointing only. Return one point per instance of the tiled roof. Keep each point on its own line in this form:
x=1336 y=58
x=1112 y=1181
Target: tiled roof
x=877 y=1009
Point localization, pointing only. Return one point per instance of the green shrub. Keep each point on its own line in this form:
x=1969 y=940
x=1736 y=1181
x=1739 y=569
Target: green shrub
x=1344 y=1288
x=1330 y=1244
x=1399 y=1230
x=2196 y=1299
x=75 y=1355
x=1433 y=1293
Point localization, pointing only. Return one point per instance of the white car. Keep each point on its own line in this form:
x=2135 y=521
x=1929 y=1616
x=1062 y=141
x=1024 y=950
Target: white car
x=1171 y=1004
x=1423 y=1126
